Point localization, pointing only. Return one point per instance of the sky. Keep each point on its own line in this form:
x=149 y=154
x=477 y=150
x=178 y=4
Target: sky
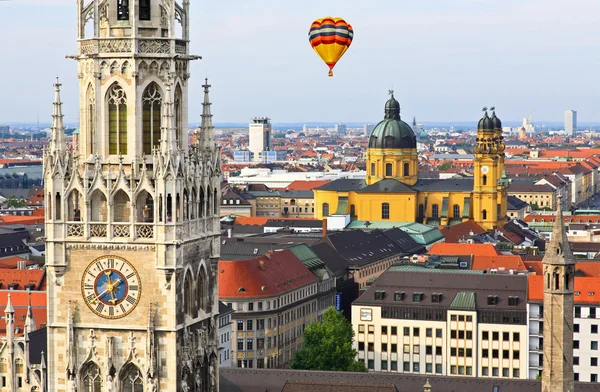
x=444 y=59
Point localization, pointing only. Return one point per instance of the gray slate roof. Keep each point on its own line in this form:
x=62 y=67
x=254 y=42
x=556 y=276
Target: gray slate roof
x=445 y=185
x=387 y=185
x=343 y=185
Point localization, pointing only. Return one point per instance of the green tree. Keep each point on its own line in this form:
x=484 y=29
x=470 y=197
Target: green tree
x=14 y=202
x=444 y=166
x=327 y=345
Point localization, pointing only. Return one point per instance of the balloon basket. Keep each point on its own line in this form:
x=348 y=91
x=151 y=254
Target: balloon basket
x=330 y=74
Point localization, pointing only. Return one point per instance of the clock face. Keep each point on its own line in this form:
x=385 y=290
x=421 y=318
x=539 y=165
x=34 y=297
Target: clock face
x=485 y=169
x=111 y=287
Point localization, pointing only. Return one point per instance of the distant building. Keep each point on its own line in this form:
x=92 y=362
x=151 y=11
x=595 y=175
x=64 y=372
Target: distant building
x=368 y=128
x=341 y=129
x=242 y=156
x=260 y=136
x=570 y=122
x=4 y=131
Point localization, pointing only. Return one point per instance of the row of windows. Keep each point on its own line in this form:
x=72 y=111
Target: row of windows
x=593 y=328
x=416 y=349
x=405 y=331
x=406 y=366
x=123 y=10
x=593 y=345
x=485 y=335
x=485 y=371
x=389 y=169
x=485 y=353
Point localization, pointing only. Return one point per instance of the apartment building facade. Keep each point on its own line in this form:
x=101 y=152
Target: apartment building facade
x=443 y=322
x=274 y=297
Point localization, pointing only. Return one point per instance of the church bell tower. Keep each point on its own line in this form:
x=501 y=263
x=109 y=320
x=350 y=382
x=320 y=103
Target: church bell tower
x=489 y=187
x=132 y=211
x=559 y=277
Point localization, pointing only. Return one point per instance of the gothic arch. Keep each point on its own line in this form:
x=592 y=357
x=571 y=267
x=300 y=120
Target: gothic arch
x=194 y=204
x=189 y=306
x=116 y=100
x=152 y=99
x=202 y=203
x=144 y=206
x=125 y=68
x=208 y=201
x=75 y=204
x=202 y=293
x=131 y=378
x=121 y=206
x=90 y=377
x=98 y=206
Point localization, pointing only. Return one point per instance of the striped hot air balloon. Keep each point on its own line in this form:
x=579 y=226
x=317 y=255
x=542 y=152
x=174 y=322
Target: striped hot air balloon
x=330 y=38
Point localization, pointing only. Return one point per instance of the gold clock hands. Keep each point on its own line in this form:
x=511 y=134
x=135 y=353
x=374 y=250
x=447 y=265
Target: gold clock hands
x=113 y=287
x=93 y=301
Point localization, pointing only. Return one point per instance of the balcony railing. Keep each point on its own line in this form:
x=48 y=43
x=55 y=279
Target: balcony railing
x=127 y=45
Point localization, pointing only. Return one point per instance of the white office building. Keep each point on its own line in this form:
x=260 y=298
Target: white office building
x=260 y=137
x=570 y=122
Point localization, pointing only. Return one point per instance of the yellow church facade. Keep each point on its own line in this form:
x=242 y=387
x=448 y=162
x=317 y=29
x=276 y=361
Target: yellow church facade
x=393 y=192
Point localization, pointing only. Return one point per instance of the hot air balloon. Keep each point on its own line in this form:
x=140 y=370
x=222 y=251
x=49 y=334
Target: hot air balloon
x=330 y=38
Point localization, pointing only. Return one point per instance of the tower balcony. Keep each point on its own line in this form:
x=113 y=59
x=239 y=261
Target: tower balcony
x=151 y=47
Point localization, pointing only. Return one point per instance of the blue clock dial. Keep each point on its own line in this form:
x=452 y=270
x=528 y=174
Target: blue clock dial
x=111 y=287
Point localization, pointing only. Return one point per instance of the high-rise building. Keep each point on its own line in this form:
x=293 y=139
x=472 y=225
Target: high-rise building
x=341 y=129
x=570 y=122
x=559 y=273
x=260 y=137
x=132 y=220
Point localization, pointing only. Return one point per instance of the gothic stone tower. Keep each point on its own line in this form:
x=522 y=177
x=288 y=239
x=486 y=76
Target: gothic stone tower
x=489 y=188
x=132 y=219
x=559 y=266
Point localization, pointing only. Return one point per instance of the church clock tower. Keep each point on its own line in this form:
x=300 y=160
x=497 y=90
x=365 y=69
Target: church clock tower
x=489 y=187
x=132 y=212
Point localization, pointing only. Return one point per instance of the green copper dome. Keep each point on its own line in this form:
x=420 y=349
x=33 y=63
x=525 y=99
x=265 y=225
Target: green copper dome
x=392 y=132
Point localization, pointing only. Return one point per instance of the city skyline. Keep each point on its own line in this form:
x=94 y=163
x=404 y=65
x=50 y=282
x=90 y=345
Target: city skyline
x=434 y=60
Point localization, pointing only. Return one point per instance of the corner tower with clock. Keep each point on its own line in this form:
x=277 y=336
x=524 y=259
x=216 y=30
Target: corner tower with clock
x=132 y=211
x=489 y=187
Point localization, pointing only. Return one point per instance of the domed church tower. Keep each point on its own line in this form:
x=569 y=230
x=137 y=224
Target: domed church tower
x=392 y=151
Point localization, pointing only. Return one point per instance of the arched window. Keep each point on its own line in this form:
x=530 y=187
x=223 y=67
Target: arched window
x=456 y=211
x=145 y=10
x=121 y=207
x=435 y=211
x=352 y=210
x=145 y=207
x=202 y=202
x=186 y=205
x=188 y=295
x=406 y=170
x=123 y=9
x=74 y=203
x=388 y=169
x=181 y=139
x=91 y=120
x=325 y=209
x=57 y=207
x=373 y=169
x=202 y=293
x=484 y=179
x=484 y=214
x=131 y=379
x=208 y=201
x=421 y=210
x=91 y=378
x=151 y=116
x=215 y=202
x=556 y=280
x=117 y=120
x=385 y=210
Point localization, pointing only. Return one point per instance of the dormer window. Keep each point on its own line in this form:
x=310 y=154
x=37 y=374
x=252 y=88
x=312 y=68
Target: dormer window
x=417 y=297
x=513 y=301
x=492 y=300
x=436 y=297
x=399 y=296
x=379 y=295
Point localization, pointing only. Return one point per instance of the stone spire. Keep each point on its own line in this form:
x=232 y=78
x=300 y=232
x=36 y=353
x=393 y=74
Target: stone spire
x=206 y=127
x=559 y=279
x=427 y=386
x=9 y=308
x=558 y=250
x=57 y=140
x=29 y=321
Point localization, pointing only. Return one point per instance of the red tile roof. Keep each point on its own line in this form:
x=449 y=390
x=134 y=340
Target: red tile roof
x=507 y=262
x=588 y=289
x=11 y=262
x=275 y=273
x=463 y=249
x=24 y=220
x=23 y=277
x=300 y=185
x=455 y=233
x=251 y=221
x=20 y=301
